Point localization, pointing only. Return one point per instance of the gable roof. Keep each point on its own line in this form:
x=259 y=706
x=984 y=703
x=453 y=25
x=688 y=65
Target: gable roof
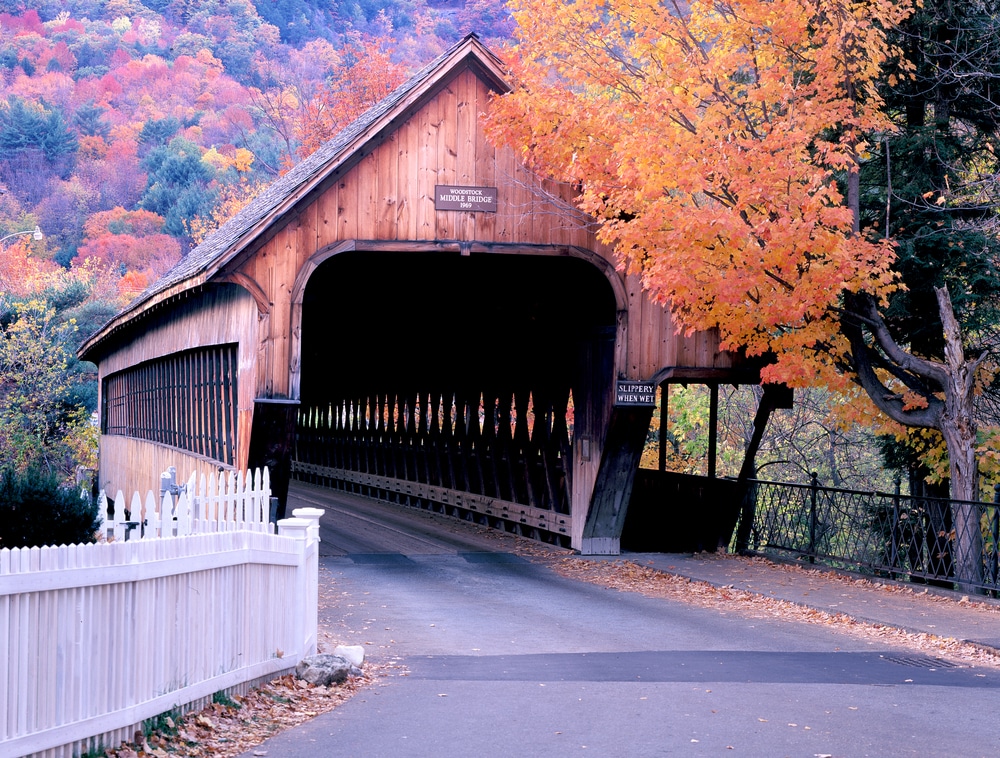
x=257 y=218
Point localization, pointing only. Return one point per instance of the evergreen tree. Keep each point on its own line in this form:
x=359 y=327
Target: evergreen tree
x=89 y=120
x=178 y=185
x=36 y=145
x=157 y=132
x=932 y=185
x=37 y=510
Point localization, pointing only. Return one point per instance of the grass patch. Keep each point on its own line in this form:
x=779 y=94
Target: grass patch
x=223 y=699
x=166 y=723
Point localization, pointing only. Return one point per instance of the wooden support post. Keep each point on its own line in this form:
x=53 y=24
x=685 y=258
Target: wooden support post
x=272 y=440
x=713 y=428
x=623 y=445
x=664 y=416
x=774 y=396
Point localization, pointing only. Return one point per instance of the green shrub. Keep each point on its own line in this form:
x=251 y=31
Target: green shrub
x=36 y=510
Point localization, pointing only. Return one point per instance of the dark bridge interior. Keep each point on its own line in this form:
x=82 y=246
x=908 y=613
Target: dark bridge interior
x=375 y=321
x=453 y=382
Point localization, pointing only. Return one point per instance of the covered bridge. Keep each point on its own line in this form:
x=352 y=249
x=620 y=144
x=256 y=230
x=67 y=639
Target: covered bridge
x=410 y=314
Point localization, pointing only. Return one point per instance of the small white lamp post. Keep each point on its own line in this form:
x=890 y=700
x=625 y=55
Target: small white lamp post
x=36 y=234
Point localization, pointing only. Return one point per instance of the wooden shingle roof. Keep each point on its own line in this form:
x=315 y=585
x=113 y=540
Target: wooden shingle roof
x=264 y=214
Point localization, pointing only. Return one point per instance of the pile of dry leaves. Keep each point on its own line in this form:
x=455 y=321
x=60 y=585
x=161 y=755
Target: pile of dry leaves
x=233 y=724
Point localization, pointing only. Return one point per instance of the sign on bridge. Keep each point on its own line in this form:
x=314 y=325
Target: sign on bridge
x=449 y=198
x=635 y=393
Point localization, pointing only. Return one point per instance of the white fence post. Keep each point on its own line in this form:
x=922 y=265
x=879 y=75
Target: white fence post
x=311 y=588
x=298 y=529
x=217 y=503
x=313 y=515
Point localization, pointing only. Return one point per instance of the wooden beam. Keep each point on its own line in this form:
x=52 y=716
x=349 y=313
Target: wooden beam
x=664 y=431
x=622 y=452
x=260 y=297
x=707 y=374
x=272 y=441
x=713 y=428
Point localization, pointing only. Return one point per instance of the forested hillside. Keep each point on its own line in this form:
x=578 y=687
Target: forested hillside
x=172 y=108
x=129 y=130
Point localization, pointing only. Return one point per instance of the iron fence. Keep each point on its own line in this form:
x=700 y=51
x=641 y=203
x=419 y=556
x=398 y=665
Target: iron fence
x=950 y=543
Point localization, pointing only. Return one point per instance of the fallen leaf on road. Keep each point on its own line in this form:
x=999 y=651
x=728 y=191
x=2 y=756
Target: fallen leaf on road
x=628 y=576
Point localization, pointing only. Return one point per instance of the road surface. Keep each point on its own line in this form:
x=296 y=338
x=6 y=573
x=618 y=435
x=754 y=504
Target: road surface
x=499 y=656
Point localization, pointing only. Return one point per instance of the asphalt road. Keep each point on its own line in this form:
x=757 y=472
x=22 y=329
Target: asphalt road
x=499 y=656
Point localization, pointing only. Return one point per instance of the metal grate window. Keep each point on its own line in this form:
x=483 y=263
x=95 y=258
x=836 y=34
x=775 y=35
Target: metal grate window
x=187 y=400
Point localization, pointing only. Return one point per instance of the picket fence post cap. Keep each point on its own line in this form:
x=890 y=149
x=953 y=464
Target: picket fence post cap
x=309 y=512
x=294 y=527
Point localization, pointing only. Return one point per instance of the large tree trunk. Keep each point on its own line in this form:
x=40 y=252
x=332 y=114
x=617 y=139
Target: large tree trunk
x=948 y=390
x=958 y=427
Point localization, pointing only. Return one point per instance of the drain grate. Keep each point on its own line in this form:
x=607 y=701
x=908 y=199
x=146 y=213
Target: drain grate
x=921 y=662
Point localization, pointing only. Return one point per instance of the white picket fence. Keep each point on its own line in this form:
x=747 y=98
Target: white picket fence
x=95 y=639
x=223 y=503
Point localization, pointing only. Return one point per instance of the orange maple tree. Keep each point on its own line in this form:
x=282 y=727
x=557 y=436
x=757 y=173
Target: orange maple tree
x=707 y=138
x=712 y=141
x=365 y=74
x=21 y=272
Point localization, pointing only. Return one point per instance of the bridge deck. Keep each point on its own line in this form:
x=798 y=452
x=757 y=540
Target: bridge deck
x=355 y=525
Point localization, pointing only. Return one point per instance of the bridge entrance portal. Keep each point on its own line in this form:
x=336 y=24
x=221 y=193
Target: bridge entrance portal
x=455 y=382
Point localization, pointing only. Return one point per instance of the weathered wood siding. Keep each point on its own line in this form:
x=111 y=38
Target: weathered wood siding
x=221 y=314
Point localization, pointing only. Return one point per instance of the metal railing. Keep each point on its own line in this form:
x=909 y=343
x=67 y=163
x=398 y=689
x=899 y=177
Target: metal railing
x=950 y=543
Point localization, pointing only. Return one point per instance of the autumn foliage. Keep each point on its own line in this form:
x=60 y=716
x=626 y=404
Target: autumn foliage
x=130 y=131
x=131 y=241
x=708 y=139
x=364 y=74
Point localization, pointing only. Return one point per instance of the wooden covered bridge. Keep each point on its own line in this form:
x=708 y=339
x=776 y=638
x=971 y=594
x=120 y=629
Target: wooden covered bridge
x=409 y=314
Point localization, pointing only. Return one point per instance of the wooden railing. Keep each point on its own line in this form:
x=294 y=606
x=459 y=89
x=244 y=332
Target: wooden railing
x=497 y=458
x=187 y=400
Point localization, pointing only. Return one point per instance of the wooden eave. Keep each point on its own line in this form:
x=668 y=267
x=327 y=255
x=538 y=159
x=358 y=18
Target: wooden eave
x=743 y=373
x=317 y=170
